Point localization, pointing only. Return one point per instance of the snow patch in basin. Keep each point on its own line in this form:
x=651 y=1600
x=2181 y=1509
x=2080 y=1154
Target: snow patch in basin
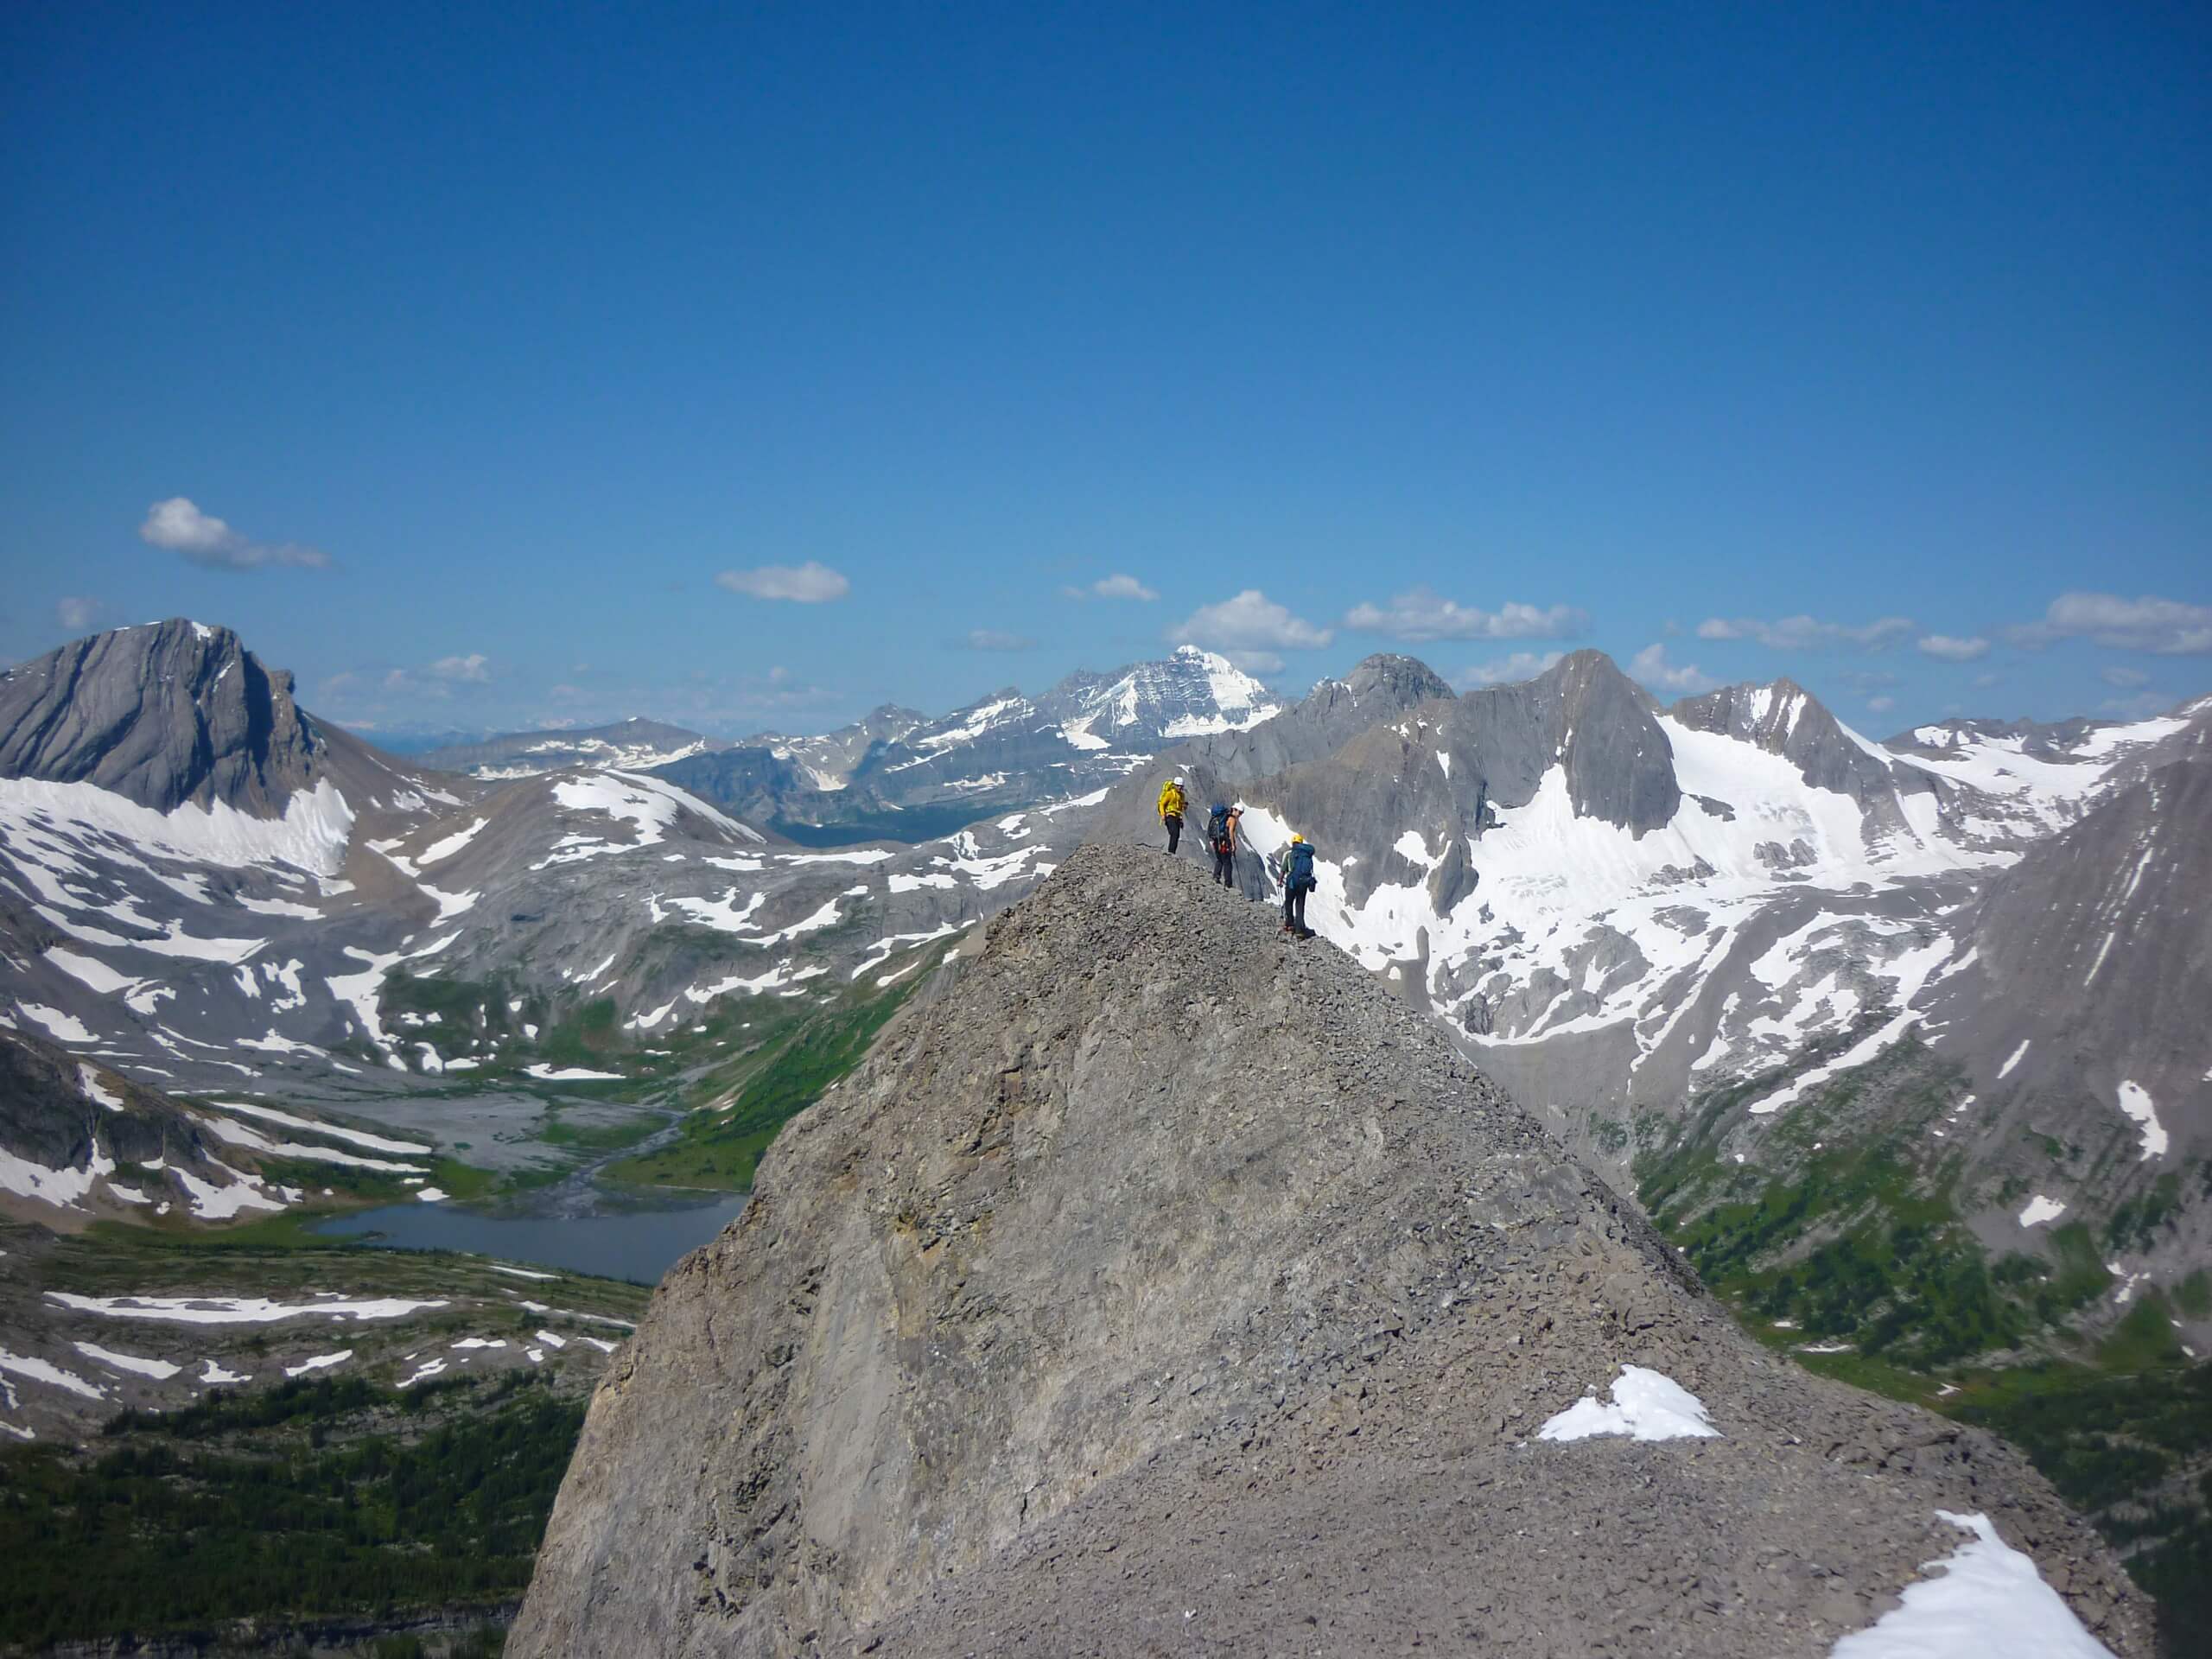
x=160 y=1369
x=65 y=1027
x=41 y=1370
x=235 y=1310
x=2040 y=1210
x=548 y=1073
x=1647 y=1404
x=319 y=1363
x=311 y=836
x=1990 y=1600
x=293 y=1121
x=2135 y=1100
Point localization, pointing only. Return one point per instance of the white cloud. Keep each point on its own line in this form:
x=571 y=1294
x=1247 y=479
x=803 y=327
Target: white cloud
x=1806 y=633
x=2125 y=679
x=1650 y=665
x=76 y=614
x=996 y=640
x=1250 y=622
x=1953 y=650
x=1255 y=662
x=472 y=670
x=1505 y=671
x=180 y=527
x=2138 y=706
x=1420 y=615
x=805 y=584
x=1881 y=705
x=1119 y=586
x=2164 y=627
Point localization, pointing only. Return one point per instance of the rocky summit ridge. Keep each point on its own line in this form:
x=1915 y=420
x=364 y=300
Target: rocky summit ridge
x=170 y=712
x=1160 y=1284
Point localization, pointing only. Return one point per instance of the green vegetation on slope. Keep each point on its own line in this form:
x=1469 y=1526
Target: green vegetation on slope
x=1856 y=1236
x=792 y=1061
x=277 y=1257
x=319 y=1498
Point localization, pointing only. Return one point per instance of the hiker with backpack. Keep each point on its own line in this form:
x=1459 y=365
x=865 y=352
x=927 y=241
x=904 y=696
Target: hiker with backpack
x=1297 y=882
x=1171 y=811
x=1221 y=838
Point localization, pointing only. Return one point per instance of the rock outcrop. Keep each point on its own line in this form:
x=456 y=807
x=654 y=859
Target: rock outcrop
x=1162 y=1284
x=161 y=714
x=2079 y=1014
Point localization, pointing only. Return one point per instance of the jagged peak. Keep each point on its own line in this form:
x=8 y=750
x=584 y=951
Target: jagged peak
x=1399 y=673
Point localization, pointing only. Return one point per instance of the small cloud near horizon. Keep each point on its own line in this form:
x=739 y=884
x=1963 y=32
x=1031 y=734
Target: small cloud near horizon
x=472 y=670
x=179 y=526
x=2161 y=627
x=1651 y=666
x=996 y=640
x=76 y=612
x=1117 y=586
x=1251 y=630
x=810 y=583
x=1807 y=634
x=1947 y=649
x=1420 y=615
x=1507 y=671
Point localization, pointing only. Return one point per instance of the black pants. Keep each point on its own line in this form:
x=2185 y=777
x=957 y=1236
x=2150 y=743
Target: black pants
x=1294 y=907
x=1224 y=869
x=1174 y=823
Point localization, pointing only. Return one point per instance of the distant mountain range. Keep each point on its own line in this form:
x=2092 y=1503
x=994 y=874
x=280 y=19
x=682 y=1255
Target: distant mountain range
x=1623 y=909
x=901 y=775
x=630 y=745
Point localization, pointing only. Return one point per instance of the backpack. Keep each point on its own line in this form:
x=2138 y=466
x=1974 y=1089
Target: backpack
x=1298 y=865
x=1217 y=830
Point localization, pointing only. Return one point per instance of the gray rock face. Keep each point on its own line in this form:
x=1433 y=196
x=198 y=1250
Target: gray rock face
x=161 y=714
x=2091 y=974
x=1224 y=767
x=1583 y=714
x=1379 y=689
x=1163 y=1284
x=64 y=1114
x=1787 y=719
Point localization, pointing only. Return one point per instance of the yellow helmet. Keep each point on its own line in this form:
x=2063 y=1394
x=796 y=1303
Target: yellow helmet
x=1297 y=837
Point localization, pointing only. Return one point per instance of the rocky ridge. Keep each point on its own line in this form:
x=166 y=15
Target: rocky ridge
x=1160 y=1284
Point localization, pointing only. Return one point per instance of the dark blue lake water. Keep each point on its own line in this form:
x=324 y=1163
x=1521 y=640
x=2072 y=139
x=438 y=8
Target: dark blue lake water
x=635 y=1244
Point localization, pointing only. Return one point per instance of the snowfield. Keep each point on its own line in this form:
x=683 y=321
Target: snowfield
x=1647 y=1404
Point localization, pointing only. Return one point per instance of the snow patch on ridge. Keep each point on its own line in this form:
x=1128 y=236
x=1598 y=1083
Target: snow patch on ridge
x=1647 y=1404
x=1991 y=1599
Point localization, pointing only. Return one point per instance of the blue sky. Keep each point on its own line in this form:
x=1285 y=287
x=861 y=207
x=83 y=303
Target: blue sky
x=474 y=365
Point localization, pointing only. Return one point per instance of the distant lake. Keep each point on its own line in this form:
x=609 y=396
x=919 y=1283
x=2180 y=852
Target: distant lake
x=636 y=1244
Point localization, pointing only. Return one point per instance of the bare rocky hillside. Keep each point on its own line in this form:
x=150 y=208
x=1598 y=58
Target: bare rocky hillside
x=1162 y=1285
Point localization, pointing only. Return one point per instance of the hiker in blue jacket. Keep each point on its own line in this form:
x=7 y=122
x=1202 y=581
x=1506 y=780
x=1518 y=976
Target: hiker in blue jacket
x=1297 y=882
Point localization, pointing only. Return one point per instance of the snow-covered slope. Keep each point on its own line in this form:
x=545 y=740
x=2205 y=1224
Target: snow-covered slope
x=632 y=745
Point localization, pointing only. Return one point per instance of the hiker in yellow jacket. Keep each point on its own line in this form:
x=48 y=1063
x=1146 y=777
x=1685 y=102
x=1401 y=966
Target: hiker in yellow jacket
x=1171 y=811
